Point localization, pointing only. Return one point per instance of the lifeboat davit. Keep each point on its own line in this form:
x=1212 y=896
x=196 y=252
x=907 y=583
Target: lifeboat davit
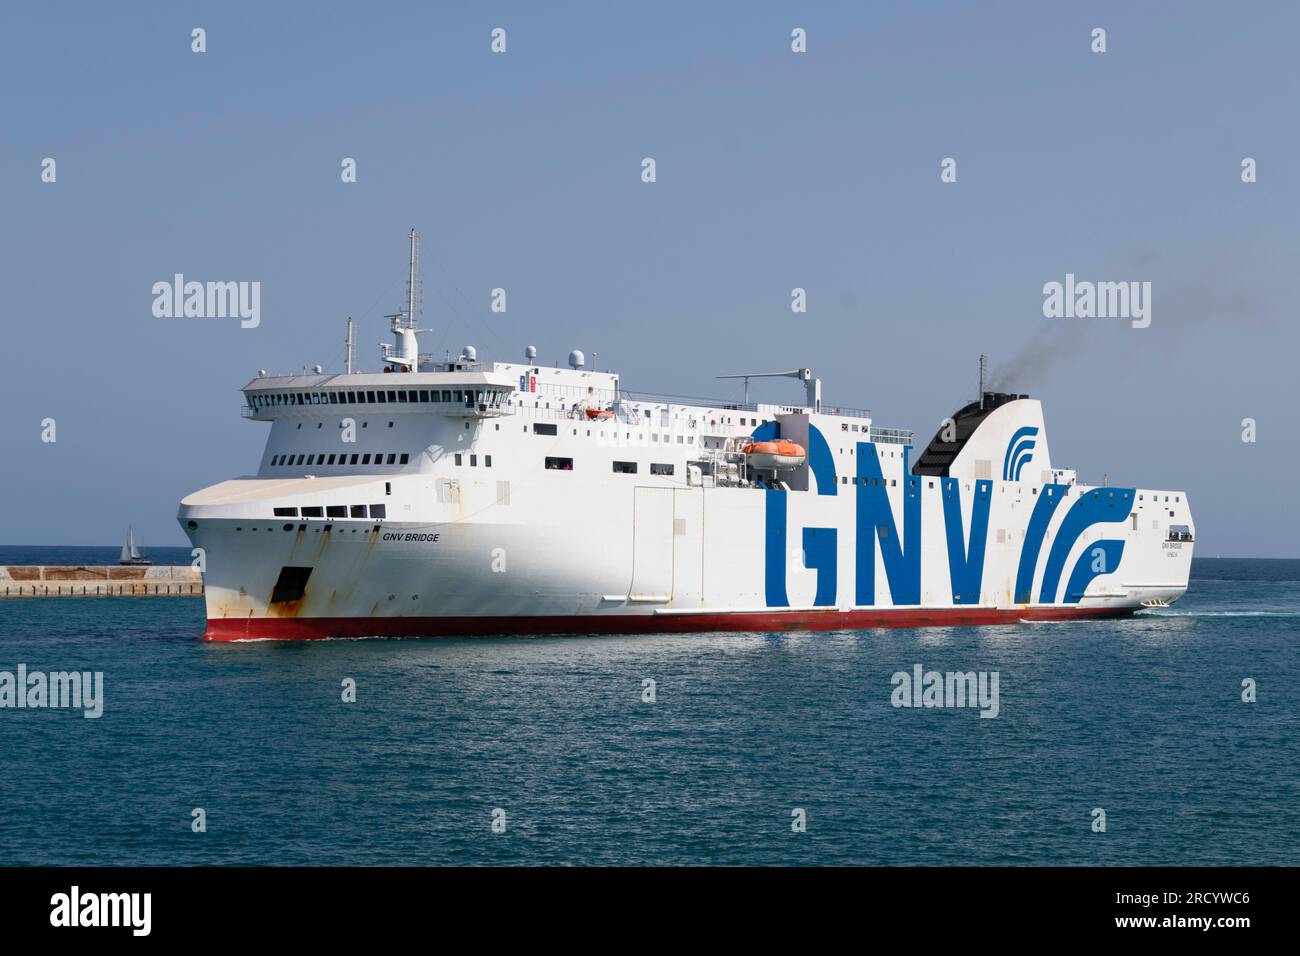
x=599 y=413
x=774 y=455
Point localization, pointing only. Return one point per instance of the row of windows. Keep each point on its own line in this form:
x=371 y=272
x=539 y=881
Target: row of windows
x=492 y=397
x=473 y=460
x=545 y=428
x=334 y=511
x=620 y=467
x=295 y=460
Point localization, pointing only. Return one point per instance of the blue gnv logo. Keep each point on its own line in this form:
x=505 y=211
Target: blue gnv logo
x=1019 y=452
x=876 y=530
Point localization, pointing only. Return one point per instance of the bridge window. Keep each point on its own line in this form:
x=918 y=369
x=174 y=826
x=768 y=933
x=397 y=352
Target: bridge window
x=314 y=511
x=378 y=511
x=336 y=511
x=286 y=512
x=392 y=459
x=405 y=460
x=358 y=511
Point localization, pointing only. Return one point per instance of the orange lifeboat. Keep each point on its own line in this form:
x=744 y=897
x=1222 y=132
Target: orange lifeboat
x=774 y=455
x=599 y=413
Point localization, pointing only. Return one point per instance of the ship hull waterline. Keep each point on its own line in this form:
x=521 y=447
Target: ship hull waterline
x=829 y=619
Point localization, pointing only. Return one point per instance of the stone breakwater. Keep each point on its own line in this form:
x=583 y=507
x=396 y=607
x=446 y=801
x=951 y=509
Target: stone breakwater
x=28 y=581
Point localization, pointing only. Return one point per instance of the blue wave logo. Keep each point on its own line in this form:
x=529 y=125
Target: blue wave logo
x=1019 y=452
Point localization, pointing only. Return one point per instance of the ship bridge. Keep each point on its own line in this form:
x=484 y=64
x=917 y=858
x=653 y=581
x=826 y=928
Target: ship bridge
x=467 y=393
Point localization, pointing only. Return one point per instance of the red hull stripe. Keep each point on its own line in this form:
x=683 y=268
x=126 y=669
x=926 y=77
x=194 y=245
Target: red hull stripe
x=315 y=628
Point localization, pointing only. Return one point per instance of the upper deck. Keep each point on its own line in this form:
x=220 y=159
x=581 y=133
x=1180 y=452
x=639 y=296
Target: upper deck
x=475 y=390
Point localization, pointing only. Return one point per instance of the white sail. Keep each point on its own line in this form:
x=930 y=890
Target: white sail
x=128 y=547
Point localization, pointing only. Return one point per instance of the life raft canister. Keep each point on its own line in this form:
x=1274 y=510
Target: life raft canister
x=779 y=454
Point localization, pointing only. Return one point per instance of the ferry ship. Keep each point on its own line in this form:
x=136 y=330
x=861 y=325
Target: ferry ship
x=459 y=497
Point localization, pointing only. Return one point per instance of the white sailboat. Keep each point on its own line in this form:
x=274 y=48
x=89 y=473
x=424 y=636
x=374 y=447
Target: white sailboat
x=130 y=551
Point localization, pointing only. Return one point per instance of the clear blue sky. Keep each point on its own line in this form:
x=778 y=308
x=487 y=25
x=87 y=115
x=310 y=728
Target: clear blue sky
x=775 y=170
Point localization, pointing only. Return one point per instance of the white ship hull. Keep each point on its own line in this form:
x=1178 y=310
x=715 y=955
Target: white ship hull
x=521 y=548
x=509 y=498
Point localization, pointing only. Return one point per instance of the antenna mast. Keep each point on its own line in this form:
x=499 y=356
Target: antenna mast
x=349 y=342
x=404 y=354
x=984 y=374
x=410 y=284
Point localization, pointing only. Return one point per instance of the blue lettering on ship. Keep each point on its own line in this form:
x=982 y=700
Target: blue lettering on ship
x=900 y=545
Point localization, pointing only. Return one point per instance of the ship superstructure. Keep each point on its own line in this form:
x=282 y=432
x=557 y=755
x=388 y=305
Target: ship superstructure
x=469 y=498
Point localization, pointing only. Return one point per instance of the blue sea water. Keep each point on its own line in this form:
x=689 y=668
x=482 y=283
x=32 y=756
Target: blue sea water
x=1141 y=717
